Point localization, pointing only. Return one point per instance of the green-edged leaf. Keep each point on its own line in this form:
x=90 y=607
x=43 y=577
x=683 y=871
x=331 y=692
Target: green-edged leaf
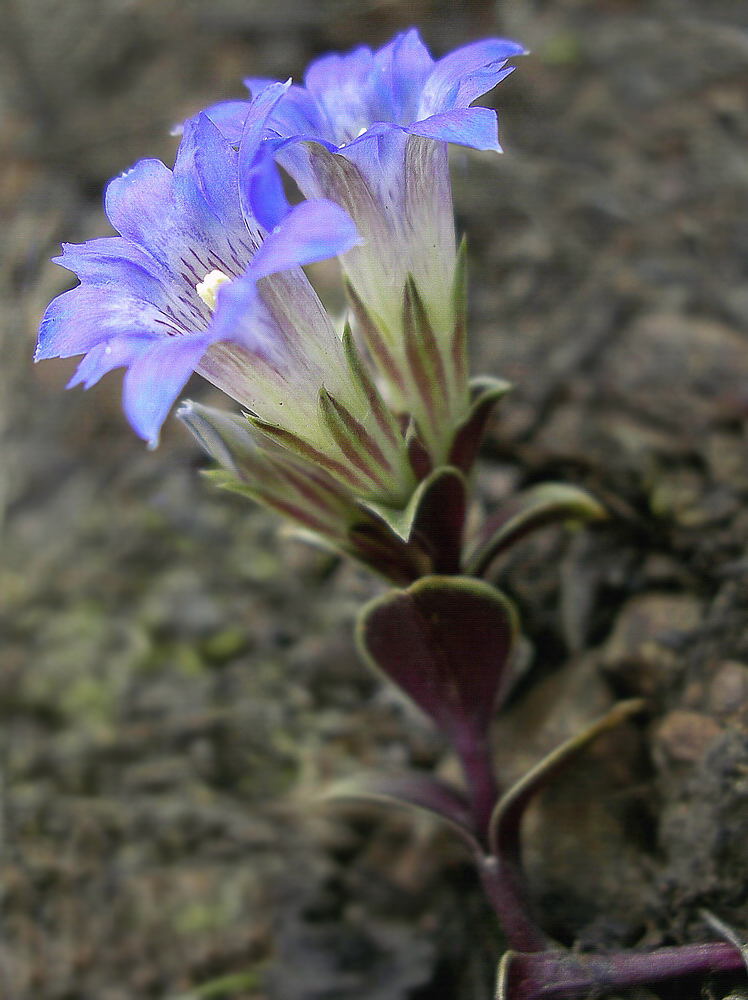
x=297 y=446
x=447 y=642
x=399 y=562
x=439 y=520
x=421 y=340
x=418 y=455
x=426 y=367
x=318 y=519
x=505 y=823
x=354 y=441
x=424 y=539
x=507 y=816
x=420 y=791
x=384 y=418
x=375 y=341
x=552 y=973
x=528 y=510
x=444 y=486
x=262 y=470
x=485 y=393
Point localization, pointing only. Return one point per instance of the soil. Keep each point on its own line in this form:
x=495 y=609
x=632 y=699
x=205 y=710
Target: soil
x=178 y=681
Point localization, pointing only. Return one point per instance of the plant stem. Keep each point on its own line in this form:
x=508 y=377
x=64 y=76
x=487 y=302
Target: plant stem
x=504 y=888
x=477 y=765
x=562 y=974
x=503 y=881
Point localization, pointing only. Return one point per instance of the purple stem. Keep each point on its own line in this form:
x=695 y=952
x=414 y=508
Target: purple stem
x=503 y=881
x=563 y=974
x=475 y=756
x=505 y=890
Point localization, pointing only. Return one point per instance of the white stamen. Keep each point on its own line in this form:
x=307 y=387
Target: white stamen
x=209 y=286
x=362 y=132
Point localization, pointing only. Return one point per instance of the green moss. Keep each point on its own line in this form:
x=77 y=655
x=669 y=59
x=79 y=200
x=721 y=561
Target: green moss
x=225 y=986
x=224 y=645
x=202 y=916
x=187 y=660
x=91 y=700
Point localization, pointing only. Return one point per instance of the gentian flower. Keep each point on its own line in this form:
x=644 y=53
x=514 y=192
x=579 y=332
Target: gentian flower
x=195 y=282
x=369 y=131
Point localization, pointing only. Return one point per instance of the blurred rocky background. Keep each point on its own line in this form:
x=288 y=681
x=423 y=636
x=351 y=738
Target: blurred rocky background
x=177 y=678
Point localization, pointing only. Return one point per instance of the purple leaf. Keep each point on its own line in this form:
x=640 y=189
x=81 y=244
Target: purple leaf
x=385 y=553
x=447 y=642
x=424 y=538
x=422 y=791
x=469 y=436
x=440 y=519
x=442 y=485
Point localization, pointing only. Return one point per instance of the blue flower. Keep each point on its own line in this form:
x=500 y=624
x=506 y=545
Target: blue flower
x=349 y=100
x=368 y=130
x=195 y=283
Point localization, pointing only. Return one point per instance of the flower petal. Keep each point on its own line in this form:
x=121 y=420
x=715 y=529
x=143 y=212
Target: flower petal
x=229 y=118
x=140 y=205
x=156 y=377
x=297 y=114
x=341 y=87
x=400 y=70
x=119 y=352
x=240 y=318
x=188 y=218
x=475 y=127
x=256 y=122
x=114 y=262
x=312 y=231
x=465 y=74
x=77 y=320
x=205 y=177
x=260 y=188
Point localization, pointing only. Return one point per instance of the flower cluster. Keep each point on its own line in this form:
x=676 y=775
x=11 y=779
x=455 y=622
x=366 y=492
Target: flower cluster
x=342 y=430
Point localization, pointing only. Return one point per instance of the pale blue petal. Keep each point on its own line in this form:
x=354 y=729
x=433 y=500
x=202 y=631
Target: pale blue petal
x=256 y=121
x=312 y=231
x=296 y=158
x=77 y=320
x=261 y=190
x=479 y=84
x=465 y=74
x=119 y=352
x=205 y=179
x=256 y=84
x=155 y=379
x=341 y=86
x=229 y=118
x=297 y=114
x=475 y=127
x=140 y=205
x=241 y=318
x=116 y=263
x=379 y=156
x=399 y=72
x=375 y=131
